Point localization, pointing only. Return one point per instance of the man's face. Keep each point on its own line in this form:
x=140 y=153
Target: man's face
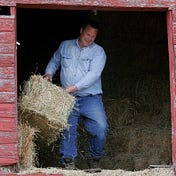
x=87 y=36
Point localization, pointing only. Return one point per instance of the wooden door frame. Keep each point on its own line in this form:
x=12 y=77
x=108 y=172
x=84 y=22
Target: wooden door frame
x=171 y=57
x=172 y=70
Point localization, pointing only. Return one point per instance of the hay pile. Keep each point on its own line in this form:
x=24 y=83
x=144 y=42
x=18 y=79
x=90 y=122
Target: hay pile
x=26 y=147
x=46 y=107
x=135 y=139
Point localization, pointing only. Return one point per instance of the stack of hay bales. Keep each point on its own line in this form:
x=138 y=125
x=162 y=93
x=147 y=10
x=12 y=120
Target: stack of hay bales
x=43 y=113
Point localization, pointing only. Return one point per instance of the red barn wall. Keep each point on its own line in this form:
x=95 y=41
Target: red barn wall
x=8 y=91
x=8 y=71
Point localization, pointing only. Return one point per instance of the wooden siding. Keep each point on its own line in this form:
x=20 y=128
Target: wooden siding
x=103 y=3
x=89 y=4
x=7 y=25
x=7 y=3
x=172 y=62
x=8 y=93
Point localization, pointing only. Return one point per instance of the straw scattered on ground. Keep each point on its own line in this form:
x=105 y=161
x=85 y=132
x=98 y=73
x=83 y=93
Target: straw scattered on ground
x=146 y=172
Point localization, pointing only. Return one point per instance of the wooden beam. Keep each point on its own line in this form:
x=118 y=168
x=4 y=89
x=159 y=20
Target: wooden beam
x=172 y=68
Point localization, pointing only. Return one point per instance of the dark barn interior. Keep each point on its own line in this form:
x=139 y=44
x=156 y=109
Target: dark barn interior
x=135 y=80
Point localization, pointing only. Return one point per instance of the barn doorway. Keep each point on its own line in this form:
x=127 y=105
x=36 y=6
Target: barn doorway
x=135 y=80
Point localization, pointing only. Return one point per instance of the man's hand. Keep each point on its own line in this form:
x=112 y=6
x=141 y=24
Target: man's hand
x=71 y=89
x=48 y=77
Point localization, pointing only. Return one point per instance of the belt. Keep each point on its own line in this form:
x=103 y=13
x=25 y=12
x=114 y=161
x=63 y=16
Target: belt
x=89 y=95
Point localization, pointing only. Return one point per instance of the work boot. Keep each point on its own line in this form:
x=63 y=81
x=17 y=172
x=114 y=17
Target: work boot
x=94 y=166
x=69 y=164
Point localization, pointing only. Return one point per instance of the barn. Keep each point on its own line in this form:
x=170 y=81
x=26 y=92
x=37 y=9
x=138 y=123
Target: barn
x=29 y=35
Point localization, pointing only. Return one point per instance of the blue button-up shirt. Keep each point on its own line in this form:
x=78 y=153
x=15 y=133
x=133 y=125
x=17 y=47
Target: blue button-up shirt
x=81 y=67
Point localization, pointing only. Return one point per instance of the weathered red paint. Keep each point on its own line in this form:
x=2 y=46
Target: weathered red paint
x=6 y=72
x=7 y=37
x=7 y=85
x=7 y=124
x=7 y=110
x=7 y=48
x=9 y=174
x=174 y=26
x=8 y=93
x=92 y=3
x=101 y=3
x=174 y=33
x=8 y=160
x=7 y=151
x=7 y=97
x=8 y=137
x=7 y=60
x=7 y=24
x=7 y=3
x=170 y=26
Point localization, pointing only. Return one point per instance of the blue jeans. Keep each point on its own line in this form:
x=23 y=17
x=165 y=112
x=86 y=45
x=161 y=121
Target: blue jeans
x=95 y=121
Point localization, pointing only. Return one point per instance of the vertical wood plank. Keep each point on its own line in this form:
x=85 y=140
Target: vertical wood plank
x=172 y=68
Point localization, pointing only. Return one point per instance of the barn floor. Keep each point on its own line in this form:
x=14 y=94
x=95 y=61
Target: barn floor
x=146 y=172
x=59 y=172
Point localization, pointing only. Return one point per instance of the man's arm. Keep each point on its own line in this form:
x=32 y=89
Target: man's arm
x=71 y=89
x=53 y=65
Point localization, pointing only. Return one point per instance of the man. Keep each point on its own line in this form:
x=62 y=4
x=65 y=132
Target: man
x=81 y=62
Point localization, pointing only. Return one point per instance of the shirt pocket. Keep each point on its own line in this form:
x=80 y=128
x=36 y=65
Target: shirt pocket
x=66 y=60
x=85 y=63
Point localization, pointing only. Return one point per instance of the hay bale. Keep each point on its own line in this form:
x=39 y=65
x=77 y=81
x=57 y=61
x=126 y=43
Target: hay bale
x=26 y=146
x=47 y=133
x=45 y=106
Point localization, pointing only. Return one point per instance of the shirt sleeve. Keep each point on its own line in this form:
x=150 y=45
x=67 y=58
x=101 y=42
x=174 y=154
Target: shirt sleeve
x=96 y=67
x=54 y=62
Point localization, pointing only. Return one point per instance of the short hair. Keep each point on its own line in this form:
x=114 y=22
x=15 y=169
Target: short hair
x=92 y=23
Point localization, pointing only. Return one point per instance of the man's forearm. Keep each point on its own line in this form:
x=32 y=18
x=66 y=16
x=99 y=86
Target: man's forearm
x=71 y=89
